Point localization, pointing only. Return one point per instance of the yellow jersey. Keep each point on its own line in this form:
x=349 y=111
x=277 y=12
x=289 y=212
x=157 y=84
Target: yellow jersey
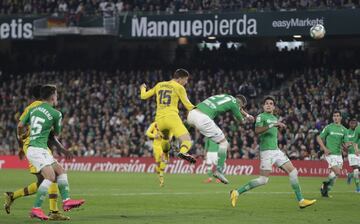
x=152 y=131
x=168 y=94
x=26 y=140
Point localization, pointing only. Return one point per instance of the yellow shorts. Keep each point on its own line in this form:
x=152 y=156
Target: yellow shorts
x=172 y=124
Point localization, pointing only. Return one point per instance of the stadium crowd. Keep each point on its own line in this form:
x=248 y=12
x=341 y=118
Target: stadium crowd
x=91 y=7
x=104 y=116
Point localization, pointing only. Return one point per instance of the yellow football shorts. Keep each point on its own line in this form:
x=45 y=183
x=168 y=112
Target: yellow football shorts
x=172 y=124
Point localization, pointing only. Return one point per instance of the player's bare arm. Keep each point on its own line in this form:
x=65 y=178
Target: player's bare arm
x=322 y=145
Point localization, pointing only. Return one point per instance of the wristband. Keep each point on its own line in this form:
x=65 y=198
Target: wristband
x=247 y=115
x=271 y=125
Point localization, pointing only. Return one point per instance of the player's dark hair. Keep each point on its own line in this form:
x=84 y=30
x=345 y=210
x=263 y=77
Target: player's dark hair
x=337 y=112
x=35 y=91
x=269 y=98
x=242 y=98
x=47 y=91
x=352 y=118
x=181 y=73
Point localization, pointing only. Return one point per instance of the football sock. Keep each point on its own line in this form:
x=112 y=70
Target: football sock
x=157 y=168
x=185 y=146
x=63 y=184
x=356 y=178
x=209 y=170
x=262 y=180
x=331 y=180
x=28 y=190
x=222 y=153
x=294 y=181
x=162 y=168
x=41 y=193
x=53 y=196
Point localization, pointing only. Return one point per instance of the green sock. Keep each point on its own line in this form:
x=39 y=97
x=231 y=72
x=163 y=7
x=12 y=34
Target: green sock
x=356 y=180
x=209 y=171
x=250 y=185
x=222 y=153
x=63 y=186
x=294 y=181
x=355 y=174
x=331 y=183
x=41 y=193
x=297 y=190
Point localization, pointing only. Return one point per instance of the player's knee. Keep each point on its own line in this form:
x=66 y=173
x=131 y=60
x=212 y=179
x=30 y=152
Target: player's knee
x=224 y=144
x=333 y=174
x=294 y=173
x=262 y=180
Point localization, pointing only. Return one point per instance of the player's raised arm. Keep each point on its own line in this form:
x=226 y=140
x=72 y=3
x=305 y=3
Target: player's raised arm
x=146 y=94
x=184 y=99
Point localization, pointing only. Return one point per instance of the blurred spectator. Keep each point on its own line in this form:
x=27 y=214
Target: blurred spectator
x=169 y=6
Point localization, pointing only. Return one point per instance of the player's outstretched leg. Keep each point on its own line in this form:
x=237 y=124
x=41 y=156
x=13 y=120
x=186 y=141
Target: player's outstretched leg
x=10 y=197
x=8 y=200
x=220 y=176
x=187 y=157
x=234 y=194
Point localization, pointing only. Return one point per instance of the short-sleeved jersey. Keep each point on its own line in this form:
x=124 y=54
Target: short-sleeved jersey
x=42 y=120
x=269 y=138
x=26 y=140
x=350 y=137
x=211 y=146
x=168 y=94
x=334 y=135
x=152 y=131
x=218 y=104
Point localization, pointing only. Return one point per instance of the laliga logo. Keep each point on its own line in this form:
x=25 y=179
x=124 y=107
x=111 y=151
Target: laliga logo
x=16 y=29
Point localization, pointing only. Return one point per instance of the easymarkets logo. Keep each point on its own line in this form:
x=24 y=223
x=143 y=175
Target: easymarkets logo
x=297 y=22
x=16 y=29
x=143 y=27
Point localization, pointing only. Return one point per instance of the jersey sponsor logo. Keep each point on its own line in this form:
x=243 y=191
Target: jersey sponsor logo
x=269 y=121
x=336 y=133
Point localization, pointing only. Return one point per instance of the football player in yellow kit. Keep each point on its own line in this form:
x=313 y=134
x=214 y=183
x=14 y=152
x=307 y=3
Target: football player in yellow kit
x=161 y=156
x=168 y=94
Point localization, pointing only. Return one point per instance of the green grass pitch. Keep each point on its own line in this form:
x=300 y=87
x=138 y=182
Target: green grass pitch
x=137 y=198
